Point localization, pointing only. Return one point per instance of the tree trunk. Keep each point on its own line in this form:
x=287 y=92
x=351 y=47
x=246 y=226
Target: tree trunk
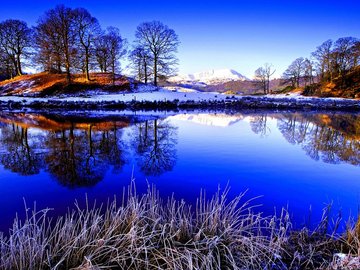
x=15 y=65
x=18 y=71
x=264 y=86
x=59 y=67
x=145 y=72
x=113 y=72
x=87 y=64
x=155 y=70
x=67 y=65
x=139 y=72
x=67 y=62
x=68 y=74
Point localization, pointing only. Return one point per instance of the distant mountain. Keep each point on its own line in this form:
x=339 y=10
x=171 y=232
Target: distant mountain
x=245 y=87
x=210 y=77
x=218 y=120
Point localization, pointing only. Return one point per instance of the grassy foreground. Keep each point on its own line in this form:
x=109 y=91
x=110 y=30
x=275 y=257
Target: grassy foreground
x=145 y=232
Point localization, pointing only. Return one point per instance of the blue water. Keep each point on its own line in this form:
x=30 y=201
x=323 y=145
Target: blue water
x=301 y=161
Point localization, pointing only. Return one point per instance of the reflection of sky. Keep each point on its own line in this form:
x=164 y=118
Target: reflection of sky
x=268 y=166
x=209 y=156
x=242 y=35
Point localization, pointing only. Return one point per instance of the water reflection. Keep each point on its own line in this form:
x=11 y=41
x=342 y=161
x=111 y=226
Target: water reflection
x=78 y=152
x=18 y=154
x=154 y=142
x=78 y=157
x=259 y=125
x=330 y=138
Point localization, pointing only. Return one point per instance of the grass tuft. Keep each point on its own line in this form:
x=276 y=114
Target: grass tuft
x=146 y=232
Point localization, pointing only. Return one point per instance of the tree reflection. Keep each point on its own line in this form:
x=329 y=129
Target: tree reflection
x=259 y=125
x=323 y=137
x=111 y=148
x=74 y=153
x=19 y=155
x=154 y=144
x=81 y=158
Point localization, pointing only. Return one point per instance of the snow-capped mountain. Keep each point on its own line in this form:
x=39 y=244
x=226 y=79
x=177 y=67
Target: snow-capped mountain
x=217 y=120
x=209 y=77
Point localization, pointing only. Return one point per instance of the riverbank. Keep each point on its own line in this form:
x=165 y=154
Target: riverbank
x=145 y=232
x=173 y=99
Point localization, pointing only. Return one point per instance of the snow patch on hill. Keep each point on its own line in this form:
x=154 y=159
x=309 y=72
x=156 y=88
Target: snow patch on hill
x=210 y=77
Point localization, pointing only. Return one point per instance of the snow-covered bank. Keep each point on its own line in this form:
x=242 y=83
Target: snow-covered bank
x=178 y=99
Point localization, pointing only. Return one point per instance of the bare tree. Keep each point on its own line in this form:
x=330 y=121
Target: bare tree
x=323 y=56
x=116 y=48
x=260 y=77
x=57 y=26
x=308 y=71
x=48 y=46
x=263 y=75
x=338 y=58
x=343 y=55
x=109 y=48
x=295 y=72
x=356 y=54
x=162 y=42
x=102 y=53
x=7 y=69
x=15 y=40
x=140 y=62
x=88 y=30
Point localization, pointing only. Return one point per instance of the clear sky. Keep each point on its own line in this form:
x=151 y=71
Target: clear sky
x=241 y=35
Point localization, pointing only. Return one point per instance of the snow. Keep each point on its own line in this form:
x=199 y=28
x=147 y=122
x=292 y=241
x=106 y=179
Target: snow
x=162 y=94
x=150 y=94
x=209 y=77
x=218 y=120
x=143 y=93
x=180 y=89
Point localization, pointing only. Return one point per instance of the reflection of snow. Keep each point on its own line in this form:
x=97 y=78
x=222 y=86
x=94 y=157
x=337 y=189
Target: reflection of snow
x=219 y=120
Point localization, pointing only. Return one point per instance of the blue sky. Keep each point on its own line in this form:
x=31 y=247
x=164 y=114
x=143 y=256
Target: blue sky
x=241 y=35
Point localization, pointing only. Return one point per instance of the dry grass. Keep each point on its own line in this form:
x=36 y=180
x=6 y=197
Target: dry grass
x=347 y=86
x=144 y=232
x=48 y=83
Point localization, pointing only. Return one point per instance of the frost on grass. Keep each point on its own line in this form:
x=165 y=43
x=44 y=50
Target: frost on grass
x=146 y=232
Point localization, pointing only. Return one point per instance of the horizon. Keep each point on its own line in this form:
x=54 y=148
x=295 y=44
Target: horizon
x=229 y=35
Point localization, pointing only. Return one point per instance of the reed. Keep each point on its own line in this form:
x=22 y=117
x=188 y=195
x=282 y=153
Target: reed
x=147 y=232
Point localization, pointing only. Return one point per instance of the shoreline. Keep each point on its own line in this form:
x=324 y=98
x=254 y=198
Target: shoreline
x=180 y=101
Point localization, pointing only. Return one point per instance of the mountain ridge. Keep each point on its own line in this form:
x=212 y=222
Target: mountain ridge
x=209 y=77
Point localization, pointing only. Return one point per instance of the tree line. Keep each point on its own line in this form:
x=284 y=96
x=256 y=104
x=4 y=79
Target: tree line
x=67 y=40
x=331 y=60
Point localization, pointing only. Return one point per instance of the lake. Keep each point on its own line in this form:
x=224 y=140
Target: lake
x=299 y=160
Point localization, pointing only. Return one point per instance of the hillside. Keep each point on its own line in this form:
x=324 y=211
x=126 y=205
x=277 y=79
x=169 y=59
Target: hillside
x=347 y=86
x=245 y=87
x=45 y=84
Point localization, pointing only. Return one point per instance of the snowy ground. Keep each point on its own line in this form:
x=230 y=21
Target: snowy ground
x=147 y=93
x=160 y=95
x=182 y=95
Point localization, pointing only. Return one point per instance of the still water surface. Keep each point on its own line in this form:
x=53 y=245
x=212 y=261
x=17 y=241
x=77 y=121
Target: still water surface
x=297 y=160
